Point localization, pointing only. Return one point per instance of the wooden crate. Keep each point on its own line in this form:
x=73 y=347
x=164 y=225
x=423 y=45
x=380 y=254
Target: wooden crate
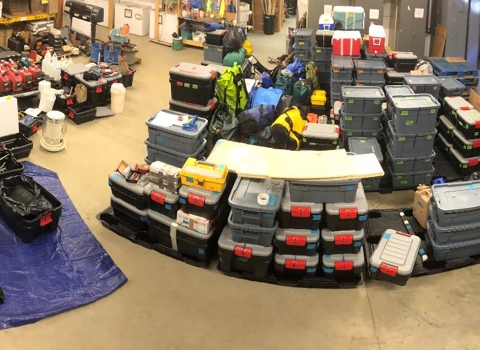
x=16 y=7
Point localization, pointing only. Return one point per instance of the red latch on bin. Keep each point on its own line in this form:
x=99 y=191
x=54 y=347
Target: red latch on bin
x=69 y=101
x=402 y=233
x=295 y=264
x=99 y=89
x=296 y=241
x=243 y=252
x=476 y=143
x=477 y=124
x=196 y=200
x=71 y=115
x=157 y=197
x=300 y=212
x=35 y=128
x=179 y=83
x=46 y=219
x=473 y=162
x=343 y=240
x=347 y=213
x=65 y=76
x=464 y=108
x=388 y=269
x=343 y=265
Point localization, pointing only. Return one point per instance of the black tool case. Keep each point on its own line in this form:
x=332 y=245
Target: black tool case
x=193 y=83
x=306 y=216
x=18 y=144
x=9 y=165
x=200 y=202
x=126 y=212
x=295 y=266
x=132 y=193
x=348 y=216
x=290 y=241
x=161 y=201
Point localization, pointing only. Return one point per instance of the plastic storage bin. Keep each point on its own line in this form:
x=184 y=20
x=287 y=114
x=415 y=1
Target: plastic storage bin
x=324 y=38
x=446 y=128
x=192 y=83
x=444 y=144
x=338 y=265
x=424 y=84
x=336 y=191
x=166 y=155
x=410 y=145
x=302 y=37
x=466 y=148
x=349 y=17
x=452 y=234
x=352 y=121
x=252 y=234
x=398 y=90
x=291 y=241
x=452 y=105
x=395 y=257
x=409 y=165
x=131 y=193
x=363 y=99
x=200 y=202
x=342 y=68
x=213 y=53
x=295 y=266
x=27 y=227
x=128 y=213
x=242 y=257
x=299 y=215
x=370 y=70
x=337 y=85
x=9 y=165
x=96 y=90
x=464 y=166
x=342 y=242
x=367 y=145
x=456 y=203
x=18 y=144
x=414 y=114
x=165 y=131
x=191 y=109
x=81 y=113
x=255 y=201
x=369 y=83
x=348 y=133
x=161 y=201
x=410 y=180
x=68 y=74
x=468 y=123
x=320 y=137
x=323 y=66
x=450 y=87
x=366 y=55
x=322 y=53
x=348 y=216
x=393 y=77
x=215 y=38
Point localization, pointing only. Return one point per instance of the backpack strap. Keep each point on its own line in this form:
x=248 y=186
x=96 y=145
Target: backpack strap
x=289 y=121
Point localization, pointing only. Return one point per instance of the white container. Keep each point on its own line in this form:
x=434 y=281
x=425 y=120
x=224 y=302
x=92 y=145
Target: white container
x=46 y=63
x=44 y=85
x=136 y=16
x=47 y=100
x=9 y=116
x=118 y=93
x=243 y=17
x=55 y=70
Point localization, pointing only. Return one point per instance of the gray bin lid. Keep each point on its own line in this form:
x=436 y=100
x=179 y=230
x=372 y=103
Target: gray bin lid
x=301 y=32
x=436 y=228
x=210 y=105
x=211 y=198
x=341 y=62
x=396 y=250
x=287 y=204
x=363 y=92
x=194 y=71
x=370 y=65
x=175 y=227
x=365 y=145
x=414 y=102
x=448 y=124
x=329 y=236
x=168 y=197
x=470 y=117
x=329 y=260
x=251 y=228
x=128 y=206
x=457 y=196
x=462 y=138
x=360 y=204
x=119 y=180
x=312 y=236
x=263 y=195
x=155 y=122
x=457 y=102
x=310 y=261
x=225 y=242
x=405 y=56
x=398 y=90
x=321 y=131
x=90 y=83
x=76 y=68
x=444 y=141
x=421 y=80
x=450 y=83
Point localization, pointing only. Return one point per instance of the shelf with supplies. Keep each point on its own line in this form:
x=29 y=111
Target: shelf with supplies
x=6 y=19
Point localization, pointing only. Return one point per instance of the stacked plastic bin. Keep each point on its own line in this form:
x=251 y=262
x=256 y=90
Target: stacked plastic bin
x=302 y=42
x=367 y=145
x=322 y=56
x=410 y=136
x=213 y=46
x=246 y=243
x=460 y=134
x=453 y=230
x=370 y=73
x=173 y=137
x=346 y=212
x=193 y=89
x=399 y=64
x=361 y=113
x=342 y=75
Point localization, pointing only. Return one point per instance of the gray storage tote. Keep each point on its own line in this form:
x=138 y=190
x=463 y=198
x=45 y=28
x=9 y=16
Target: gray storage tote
x=451 y=234
x=414 y=114
x=328 y=191
x=342 y=263
x=363 y=99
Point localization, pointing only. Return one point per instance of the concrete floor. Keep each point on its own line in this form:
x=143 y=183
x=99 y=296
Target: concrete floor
x=170 y=305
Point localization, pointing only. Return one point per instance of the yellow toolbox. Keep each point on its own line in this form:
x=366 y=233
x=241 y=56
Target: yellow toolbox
x=319 y=98
x=211 y=177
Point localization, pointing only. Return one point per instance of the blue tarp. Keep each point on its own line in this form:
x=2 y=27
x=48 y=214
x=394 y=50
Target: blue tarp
x=58 y=271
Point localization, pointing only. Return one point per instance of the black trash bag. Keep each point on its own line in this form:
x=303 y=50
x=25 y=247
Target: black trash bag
x=224 y=125
x=233 y=39
x=289 y=101
x=22 y=196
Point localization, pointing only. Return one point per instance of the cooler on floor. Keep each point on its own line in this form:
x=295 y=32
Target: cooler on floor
x=376 y=39
x=349 y=17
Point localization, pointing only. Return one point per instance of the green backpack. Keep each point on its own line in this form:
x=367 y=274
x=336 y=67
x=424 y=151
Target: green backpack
x=285 y=83
x=231 y=89
x=302 y=91
x=311 y=74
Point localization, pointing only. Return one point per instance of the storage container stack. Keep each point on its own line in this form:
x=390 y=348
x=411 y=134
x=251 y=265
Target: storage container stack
x=213 y=46
x=342 y=75
x=346 y=211
x=460 y=134
x=367 y=145
x=173 y=137
x=193 y=89
x=410 y=136
x=453 y=229
x=246 y=244
x=399 y=64
x=370 y=73
x=361 y=113
x=322 y=51
x=302 y=43
x=320 y=137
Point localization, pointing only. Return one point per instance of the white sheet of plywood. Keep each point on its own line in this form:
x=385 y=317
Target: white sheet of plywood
x=261 y=162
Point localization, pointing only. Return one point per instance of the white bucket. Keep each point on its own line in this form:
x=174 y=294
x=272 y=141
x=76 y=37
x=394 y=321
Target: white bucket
x=243 y=17
x=118 y=93
x=47 y=100
x=44 y=85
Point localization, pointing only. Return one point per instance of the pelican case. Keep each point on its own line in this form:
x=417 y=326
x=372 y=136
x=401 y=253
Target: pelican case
x=192 y=83
x=320 y=137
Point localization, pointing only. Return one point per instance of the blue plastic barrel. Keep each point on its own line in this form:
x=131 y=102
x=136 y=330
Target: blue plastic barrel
x=111 y=54
x=96 y=49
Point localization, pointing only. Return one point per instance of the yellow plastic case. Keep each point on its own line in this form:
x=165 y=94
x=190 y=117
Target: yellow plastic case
x=209 y=176
x=319 y=97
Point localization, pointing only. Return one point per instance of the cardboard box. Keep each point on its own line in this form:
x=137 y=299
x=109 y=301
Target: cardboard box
x=52 y=7
x=37 y=6
x=16 y=7
x=474 y=99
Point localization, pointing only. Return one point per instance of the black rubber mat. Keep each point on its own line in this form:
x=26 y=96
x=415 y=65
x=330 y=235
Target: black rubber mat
x=109 y=221
x=381 y=220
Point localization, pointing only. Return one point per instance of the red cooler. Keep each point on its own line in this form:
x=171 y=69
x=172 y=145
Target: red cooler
x=376 y=39
x=346 y=43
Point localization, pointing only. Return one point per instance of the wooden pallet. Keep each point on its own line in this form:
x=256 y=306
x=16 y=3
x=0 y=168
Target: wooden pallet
x=164 y=43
